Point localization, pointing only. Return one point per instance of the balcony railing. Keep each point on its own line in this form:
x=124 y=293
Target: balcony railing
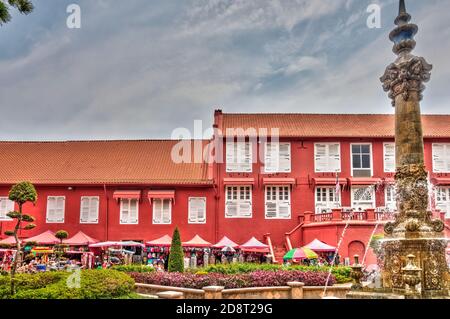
x=340 y=215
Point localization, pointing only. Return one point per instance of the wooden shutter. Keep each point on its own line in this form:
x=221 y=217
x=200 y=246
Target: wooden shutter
x=85 y=206
x=166 y=211
x=244 y=157
x=231 y=157
x=124 y=211
x=320 y=154
x=231 y=202
x=284 y=161
x=133 y=211
x=245 y=201
x=389 y=157
x=334 y=158
x=60 y=205
x=271 y=202
x=197 y=210
x=93 y=209
x=284 y=203
x=157 y=211
x=271 y=157
x=439 y=158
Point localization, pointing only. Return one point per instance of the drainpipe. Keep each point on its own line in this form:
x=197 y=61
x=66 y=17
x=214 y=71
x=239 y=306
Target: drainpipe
x=107 y=212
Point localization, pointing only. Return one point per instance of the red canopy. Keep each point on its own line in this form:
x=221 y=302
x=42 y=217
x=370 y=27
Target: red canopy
x=319 y=246
x=80 y=239
x=197 y=241
x=164 y=241
x=46 y=238
x=8 y=241
x=226 y=242
x=255 y=245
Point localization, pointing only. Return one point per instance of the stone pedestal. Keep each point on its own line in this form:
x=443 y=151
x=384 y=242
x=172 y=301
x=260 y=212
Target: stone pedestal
x=296 y=289
x=213 y=292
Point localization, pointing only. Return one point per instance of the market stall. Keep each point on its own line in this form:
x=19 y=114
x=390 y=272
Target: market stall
x=197 y=252
x=79 y=249
x=158 y=251
x=225 y=251
x=8 y=241
x=46 y=238
x=302 y=254
x=115 y=252
x=254 y=251
x=325 y=251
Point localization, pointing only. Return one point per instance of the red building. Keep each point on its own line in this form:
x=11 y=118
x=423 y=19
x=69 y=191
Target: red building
x=277 y=181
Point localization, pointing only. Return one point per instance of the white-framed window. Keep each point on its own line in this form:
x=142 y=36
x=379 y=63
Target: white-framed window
x=89 y=209
x=238 y=202
x=441 y=158
x=327 y=157
x=129 y=211
x=6 y=206
x=277 y=157
x=363 y=197
x=326 y=199
x=56 y=209
x=239 y=157
x=162 y=211
x=197 y=210
x=361 y=160
x=390 y=198
x=389 y=157
x=278 y=202
x=443 y=200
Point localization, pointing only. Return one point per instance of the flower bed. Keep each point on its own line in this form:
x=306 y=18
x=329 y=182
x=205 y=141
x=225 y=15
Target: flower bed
x=341 y=274
x=260 y=278
x=94 y=284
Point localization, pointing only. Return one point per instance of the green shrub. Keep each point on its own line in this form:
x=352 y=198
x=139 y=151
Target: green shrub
x=133 y=268
x=94 y=284
x=176 y=257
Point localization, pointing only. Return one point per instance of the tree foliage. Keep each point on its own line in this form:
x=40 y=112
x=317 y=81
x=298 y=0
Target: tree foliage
x=23 y=6
x=176 y=258
x=61 y=234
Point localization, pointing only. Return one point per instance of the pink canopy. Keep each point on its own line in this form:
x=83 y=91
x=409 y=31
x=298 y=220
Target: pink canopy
x=164 y=241
x=8 y=241
x=197 y=241
x=319 y=246
x=46 y=238
x=226 y=242
x=117 y=244
x=254 y=245
x=80 y=239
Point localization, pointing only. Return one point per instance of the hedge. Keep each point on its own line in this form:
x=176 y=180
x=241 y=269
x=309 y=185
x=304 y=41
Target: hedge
x=243 y=280
x=94 y=284
x=133 y=268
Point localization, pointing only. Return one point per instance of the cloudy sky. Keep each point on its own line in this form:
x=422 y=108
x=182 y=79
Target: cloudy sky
x=141 y=68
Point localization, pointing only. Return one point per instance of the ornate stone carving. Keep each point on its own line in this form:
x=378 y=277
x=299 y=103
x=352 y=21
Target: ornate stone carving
x=406 y=75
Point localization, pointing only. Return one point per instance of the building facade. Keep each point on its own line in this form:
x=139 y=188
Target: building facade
x=284 y=178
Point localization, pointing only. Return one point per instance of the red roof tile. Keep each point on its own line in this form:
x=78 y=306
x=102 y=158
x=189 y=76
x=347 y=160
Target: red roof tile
x=88 y=162
x=332 y=125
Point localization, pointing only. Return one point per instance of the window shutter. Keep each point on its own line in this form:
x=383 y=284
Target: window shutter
x=166 y=211
x=439 y=165
x=321 y=158
x=245 y=209
x=232 y=208
x=389 y=157
x=284 y=157
x=84 y=210
x=133 y=211
x=334 y=158
x=231 y=157
x=197 y=207
x=157 y=211
x=60 y=209
x=93 y=210
x=271 y=157
x=124 y=211
x=244 y=155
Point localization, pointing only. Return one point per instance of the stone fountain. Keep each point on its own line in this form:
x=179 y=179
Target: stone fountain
x=413 y=252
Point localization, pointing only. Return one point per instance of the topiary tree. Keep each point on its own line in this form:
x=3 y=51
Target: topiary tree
x=61 y=235
x=21 y=194
x=23 y=6
x=176 y=259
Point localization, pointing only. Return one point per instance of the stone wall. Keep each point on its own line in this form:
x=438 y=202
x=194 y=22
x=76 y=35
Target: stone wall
x=294 y=290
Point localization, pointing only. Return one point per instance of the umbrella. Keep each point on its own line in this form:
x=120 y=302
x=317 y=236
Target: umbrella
x=300 y=253
x=228 y=249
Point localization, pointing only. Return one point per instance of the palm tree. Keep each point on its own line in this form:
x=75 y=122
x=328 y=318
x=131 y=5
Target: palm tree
x=23 y=6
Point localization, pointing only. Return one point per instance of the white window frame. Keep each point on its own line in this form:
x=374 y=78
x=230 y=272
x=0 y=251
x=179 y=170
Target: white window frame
x=9 y=207
x=373 y=202
x=446 y=157
x=329 y=205
x=386 y=170
x=390 y=205
x=276 y=168
x=328 y=170
x=238 y=201
x=58 y=221
x=371 y=157
x=196 y=220
x=97 y=210
x=122 y=201
x=234 y=164
x=162 y=222
x=443 y=203
x=277 y=201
